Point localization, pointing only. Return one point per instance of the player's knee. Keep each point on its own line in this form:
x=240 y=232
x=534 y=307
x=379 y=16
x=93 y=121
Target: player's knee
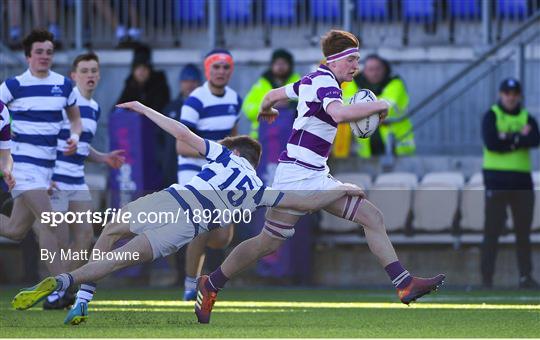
x=271 y=245
x=279 y=232
x=113 y=230
x=371 y=218
x=83 y=238
x=219 y=240
x=15 y=234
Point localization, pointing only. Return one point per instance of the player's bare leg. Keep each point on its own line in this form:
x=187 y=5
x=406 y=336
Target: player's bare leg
x=249 y=251
x=37 y=202
x=195 y=254
x=371 y=218
x=81 y=233
x=17 y=226
x=278 y=227
x=90 y=272
x=96 y=270
x=194 y=261
x=363 y=212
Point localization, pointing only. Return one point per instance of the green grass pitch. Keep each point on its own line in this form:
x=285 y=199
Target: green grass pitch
x=275 y=312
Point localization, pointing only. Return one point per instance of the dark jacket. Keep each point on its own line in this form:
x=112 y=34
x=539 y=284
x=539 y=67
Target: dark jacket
x=154 y=93
x=169 y=159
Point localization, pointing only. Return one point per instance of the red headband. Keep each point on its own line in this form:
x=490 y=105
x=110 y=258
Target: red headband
x=214 y=58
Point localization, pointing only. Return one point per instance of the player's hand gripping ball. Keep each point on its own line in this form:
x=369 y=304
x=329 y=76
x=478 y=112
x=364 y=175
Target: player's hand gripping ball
x=365 y=127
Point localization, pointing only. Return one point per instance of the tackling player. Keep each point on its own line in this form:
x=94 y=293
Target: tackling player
x=303 y=167
x=226 y=183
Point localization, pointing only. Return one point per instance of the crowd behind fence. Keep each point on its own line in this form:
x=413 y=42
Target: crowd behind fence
x=259 y=23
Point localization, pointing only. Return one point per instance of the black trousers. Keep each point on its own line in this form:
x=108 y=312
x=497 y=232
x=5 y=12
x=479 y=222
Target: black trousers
x=521 y=204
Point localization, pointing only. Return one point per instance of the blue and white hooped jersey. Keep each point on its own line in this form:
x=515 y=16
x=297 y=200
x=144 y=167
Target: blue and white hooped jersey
x=227 y=183
x=5 y=130
x=70 y=169
x=36 y=105
x=210 y=117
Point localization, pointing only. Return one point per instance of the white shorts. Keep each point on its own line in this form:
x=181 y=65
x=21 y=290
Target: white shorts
x=69 y=193
x=30 y=177
x=302 y=181
x=166 y=237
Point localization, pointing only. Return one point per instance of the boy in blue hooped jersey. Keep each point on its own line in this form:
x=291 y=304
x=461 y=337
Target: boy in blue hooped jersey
x=228 y=182
x=6 y=161
x=212 y=112
x=71 y=193
x=35 y=100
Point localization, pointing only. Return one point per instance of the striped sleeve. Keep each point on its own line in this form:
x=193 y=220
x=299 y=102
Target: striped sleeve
x=5 y=128
x=327 y=90
x=6 y=95
x=71 y=95
x=292 y=90
x=191 y=112
x=215 y=150
x=98 y=113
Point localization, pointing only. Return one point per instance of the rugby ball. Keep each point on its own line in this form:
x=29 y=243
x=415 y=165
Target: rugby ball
x=365 y=127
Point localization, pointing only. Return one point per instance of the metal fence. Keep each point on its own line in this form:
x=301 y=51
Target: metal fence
x=444 y=125
x=258 y=23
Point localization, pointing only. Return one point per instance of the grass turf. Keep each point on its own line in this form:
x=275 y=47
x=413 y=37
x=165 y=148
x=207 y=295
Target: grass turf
x=274 y=312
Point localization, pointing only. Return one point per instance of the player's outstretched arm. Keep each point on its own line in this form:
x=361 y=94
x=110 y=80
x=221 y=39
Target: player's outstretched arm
x=267 y=111
x=317 y=200
x=354 y=112
x=6 y=167
x=173 y=127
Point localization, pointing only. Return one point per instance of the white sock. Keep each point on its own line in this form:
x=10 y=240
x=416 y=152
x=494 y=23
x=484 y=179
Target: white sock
x=56 y=295
x=190 y=283
x=86 y=292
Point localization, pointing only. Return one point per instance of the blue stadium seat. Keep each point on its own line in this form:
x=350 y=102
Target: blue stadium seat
x=325 y=10
x=418 y=10
x=372 y=10
x=280 y=11
x=512 y=9
x=461 y=9
x=191 y=11
x=236 y=11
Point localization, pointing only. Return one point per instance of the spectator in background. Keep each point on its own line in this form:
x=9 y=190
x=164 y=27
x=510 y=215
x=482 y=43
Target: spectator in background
x=280 y=73
x=377 y=76
x=43 y=15
x=149 y=87
x=15 y=19
x=508 y=132
x=144 y=83
x=126 y=26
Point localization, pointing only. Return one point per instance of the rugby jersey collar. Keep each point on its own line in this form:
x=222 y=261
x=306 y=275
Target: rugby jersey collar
x=323 y=68
x=207 y=87
x=247 y=163
x=28 y=73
